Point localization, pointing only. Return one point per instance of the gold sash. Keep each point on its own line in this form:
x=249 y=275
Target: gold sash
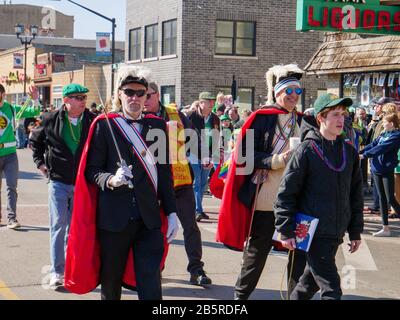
x=176 y=135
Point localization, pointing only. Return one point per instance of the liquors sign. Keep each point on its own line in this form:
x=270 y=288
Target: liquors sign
x=358 y=16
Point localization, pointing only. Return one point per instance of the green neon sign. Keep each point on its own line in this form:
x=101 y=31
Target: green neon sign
x=357 y=16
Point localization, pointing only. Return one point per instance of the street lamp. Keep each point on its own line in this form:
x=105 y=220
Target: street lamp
x=26 y=37
x=112 y=20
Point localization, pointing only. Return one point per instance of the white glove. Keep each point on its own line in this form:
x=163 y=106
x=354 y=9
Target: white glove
x=172 y=227
x=120 y=177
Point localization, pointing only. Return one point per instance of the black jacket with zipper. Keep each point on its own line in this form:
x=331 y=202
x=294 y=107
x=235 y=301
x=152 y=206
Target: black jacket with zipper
x=310 y=187
x=49 y=147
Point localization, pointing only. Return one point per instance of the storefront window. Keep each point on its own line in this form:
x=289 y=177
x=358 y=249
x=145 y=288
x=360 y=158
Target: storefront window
x=57 y=103
x=363 y=88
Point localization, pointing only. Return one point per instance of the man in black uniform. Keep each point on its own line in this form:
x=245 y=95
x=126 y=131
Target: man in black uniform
x=132 y=193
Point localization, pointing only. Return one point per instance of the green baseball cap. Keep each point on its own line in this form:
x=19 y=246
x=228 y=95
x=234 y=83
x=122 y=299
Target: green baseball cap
x=329 y=100
x=205 y=95
x=225 y=117
x=73 y=88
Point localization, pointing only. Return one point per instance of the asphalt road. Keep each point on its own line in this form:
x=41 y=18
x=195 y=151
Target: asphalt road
x=371 y=273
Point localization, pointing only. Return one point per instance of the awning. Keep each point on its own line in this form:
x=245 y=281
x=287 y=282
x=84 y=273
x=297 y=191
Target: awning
x=356 y=55
x=42 y=81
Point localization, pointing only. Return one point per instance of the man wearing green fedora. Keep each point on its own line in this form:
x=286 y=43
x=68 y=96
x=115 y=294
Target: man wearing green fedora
x=57 y=147
x=207 y=126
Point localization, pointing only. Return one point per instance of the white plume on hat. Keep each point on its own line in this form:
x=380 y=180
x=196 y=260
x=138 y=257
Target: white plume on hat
x=125 y=70
x=128 y=70
x=274 y=75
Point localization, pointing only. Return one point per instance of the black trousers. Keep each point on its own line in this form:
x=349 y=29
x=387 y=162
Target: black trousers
x=254 y=258
x=385 y=187
x=320 y=273
x=148 y=249
x=186 y=207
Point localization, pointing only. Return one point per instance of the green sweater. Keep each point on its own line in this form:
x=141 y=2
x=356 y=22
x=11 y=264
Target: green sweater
x=8 y=115
x=72 y=133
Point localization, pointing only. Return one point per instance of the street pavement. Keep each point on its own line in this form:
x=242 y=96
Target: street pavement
x=371 y=273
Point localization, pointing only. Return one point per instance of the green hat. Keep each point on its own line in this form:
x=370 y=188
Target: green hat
x=225 y=117
x=205 y=95
x=73 y=88
x=329 y=100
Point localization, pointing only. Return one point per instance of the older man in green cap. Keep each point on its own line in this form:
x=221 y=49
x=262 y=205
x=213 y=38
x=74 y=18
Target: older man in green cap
x=207 y=126
x=57 y=147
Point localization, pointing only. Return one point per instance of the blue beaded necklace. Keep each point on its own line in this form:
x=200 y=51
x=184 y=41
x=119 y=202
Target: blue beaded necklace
x=320 y=153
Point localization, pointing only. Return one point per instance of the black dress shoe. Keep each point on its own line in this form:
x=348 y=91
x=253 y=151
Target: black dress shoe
x=200 y=279
x=200 y=216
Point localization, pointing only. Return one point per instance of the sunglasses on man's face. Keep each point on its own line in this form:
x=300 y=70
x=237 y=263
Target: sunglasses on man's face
x=298 y=91
x=131 y=92
x=79 y=98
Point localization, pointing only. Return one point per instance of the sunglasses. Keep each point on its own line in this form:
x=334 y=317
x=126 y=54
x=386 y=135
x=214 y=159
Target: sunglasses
x=131 y=92
x=298 y=91
x=79 y=98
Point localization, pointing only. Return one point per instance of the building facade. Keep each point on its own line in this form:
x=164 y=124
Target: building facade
x=50 y=22
x=51 y=66
x=193 y=46
x=359 y=67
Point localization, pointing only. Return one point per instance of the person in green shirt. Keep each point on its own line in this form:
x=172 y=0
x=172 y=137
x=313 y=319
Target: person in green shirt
x=57 y=146
x=9 y=114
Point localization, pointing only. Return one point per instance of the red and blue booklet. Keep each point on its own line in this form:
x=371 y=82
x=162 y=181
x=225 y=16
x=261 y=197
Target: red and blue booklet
x=305 y=229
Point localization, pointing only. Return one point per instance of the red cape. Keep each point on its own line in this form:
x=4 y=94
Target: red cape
x=234 y=217
x=82 y=265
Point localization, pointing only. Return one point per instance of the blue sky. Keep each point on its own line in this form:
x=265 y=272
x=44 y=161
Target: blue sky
x=87 y=23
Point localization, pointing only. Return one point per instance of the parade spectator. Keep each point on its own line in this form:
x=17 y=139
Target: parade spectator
x=228 y=101
x=20 y=134
x=233 y=114
x=245 y=114
x=94 y=109
x=220 y=110
x=226 y=137
x=383 y=152
x=322 y=180
x=183 y=184
x=207 y=126
x=360 y=125
x=374 y=130
x=219 y=102
x=133 y=197
x=57 y=147
x=273 y=125
x=8 y=153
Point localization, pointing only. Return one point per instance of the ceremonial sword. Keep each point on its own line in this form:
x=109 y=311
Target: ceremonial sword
x=121 y=162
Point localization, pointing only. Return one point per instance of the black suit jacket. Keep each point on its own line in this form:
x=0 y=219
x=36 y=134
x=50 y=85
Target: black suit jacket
x=115 y=206
x=49 y=147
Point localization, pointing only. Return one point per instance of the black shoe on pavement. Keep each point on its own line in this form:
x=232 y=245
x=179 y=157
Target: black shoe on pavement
x=393 y=216
x=200 y=216
x=200 y=278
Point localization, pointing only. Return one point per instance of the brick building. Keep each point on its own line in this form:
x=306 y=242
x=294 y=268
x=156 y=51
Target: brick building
x=197 y=45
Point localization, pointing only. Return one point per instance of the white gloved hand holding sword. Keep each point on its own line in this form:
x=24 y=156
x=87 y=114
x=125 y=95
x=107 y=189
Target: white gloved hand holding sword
x=121 y=177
